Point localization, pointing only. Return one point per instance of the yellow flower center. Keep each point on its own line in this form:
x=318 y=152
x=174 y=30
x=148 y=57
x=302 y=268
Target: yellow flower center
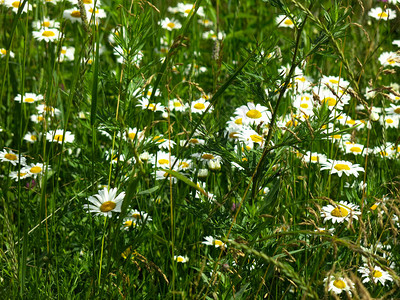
x=129 y=223
x=341 y=167
x=10 y=156
x=256 y=138
x=48 y=33
x=233 y=135
x=184 y=164
x=290 y=123
x=253 y=114
x=136 y=215
x=314 y=158
x=22 y=174
x=179 y=259
x=207 y=156
x=351 y=122
x=373 y=207
x=163 y=161
x=356 y=149
x=171 y=25
x=331 y=101
x=33 y=137
x=40 y=118
x=391 y=61
x=383 y=15
x=340 y=284
x=288 y=22
x=383 y=153
x=132 y=135
x=334 y=81
x=3 y=51
x=339 y=212
x=194 y=141
x=177 y=104
x=16 y=4
x=58 y=137
x=377 y=274
x=305 y=98
x=63 y=51
x=389 y=121
x=336 y=136
x=46 y=24
x=87 y=1
x=239 y=121
x=304 y=105
x=76 y=14
x=107 y=206
x=199 y=106
x=397 y=110
x=218 y=243
x=35 y=170
x=244 y=159
x=302 y=79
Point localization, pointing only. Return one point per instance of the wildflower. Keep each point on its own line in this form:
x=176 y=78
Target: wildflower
x=162 y=142
x=210 y=241
x=67 y=53
x=253 y=114
x=170 y=24
x=181 y=259
x=334 y=82
x=391 y=59
x=339 y=284
x=341 y=167
x=203 y=173
x=16 y=4
x=185 y=9
x=139 y=216
x=12 y=157
x=105 y=202
x=22 y=175
x=161 y=175
x=206 y=157
x=128 y=223
x=390 y=121
x=59 y=136
x=45 y=23
x=145 y=104
x=378 y=13
x=30 y=137
x=35 y=169
x=28 y=98
x=95 y=14
x=177 y=105
x=199 y=106
x=375 y=273
x=133 y=134
x=354 y=148
x=184 y=164
x=205 y=22
x=284 y=21
x=250 y=137
x=73 y=14
x=162 y=160
x=342 y=211
x=3 y=53
x=37 y=118
x=87 y=3
x=47 y=35
x=314 y=157
x=211 y=35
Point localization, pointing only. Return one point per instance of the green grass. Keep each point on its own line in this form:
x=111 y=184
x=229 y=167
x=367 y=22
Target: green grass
x=264 y=201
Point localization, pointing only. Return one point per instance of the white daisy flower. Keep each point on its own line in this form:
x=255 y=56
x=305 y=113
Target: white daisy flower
x=210 y=241
x=253 y=114
x=146 y=104
x=162 y=160
x=200 y=106
x=177 y=105
x=163 y=143
x=15 y=5
x=378 y=13
x=339 y=284
x=133 y=134
x=161 y=175
x=36 y=169
x=73 y=14
x=13 y=158
x=105 y=202
x=30 y=137
x=139 y=216
x=45 y=23
x=59 y=136
x=390 y=121
x=334 y=81
x=391 y=59
x=250 y=137
x=67 y=53
x=314 y=157
x=170 y=24
x=44 y=109
x=341 y=212
x=28 y=98
x=181 y=259
x=22 y=175
x=47 y=35
x=341 y=167
x=185 y=9
x=211 y=35
x=3 y=53
x=376 y=273
x=284 y=21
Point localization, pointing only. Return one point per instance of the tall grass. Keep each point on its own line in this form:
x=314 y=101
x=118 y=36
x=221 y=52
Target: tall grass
x=245 y=187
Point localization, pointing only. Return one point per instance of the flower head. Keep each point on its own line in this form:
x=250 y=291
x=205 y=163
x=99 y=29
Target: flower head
x=339 y=284
x=341 y=167
x=210 y=241
x=342 y=211
x=376 y=273
x=105 y=202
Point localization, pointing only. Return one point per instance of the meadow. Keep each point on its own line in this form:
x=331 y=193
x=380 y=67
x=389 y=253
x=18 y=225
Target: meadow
x=208 y=149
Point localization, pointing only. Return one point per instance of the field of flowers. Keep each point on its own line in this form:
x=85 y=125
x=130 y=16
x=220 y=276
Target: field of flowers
x=238 y=149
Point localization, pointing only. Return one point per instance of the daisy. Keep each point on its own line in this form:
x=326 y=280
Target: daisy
x=133 y=134
x=95 y=14
x=35 y=169
x=330 y=99
x=162 y=142
x=47 y=35
x=341 y=167
x=210 y=241
x=162 y=160
x=87 y=3
x=15 y=5
x=206 y=157
x=253 y=114
x=284 y=21
x=211 y=35
x=170 y=24
x=339 y=284
x=3 y=53
x=161 y=175
x=59 y=136
x=181 y=259
x=205 y=22
x=28 y=98
x=139 y=216
x=37 y=118
x=342 y=211
x=375 y=273
x=12 y=157
x=393 y=109
x=250 y=137
x=73 y=14
x=389 y=121
x=378 y=13
x=30 y=137
x=200 y=106
x=45 y=23
x=22 y=175
x=67 y=53
x=145 y=104
x=334 y=82
x=192 y=142
x=314 y=157
x=177 y=105
x=185 y=9
x=105 y=202
x=128 y=223
x=389 y=59
x=354 y=148
x=184 y=164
